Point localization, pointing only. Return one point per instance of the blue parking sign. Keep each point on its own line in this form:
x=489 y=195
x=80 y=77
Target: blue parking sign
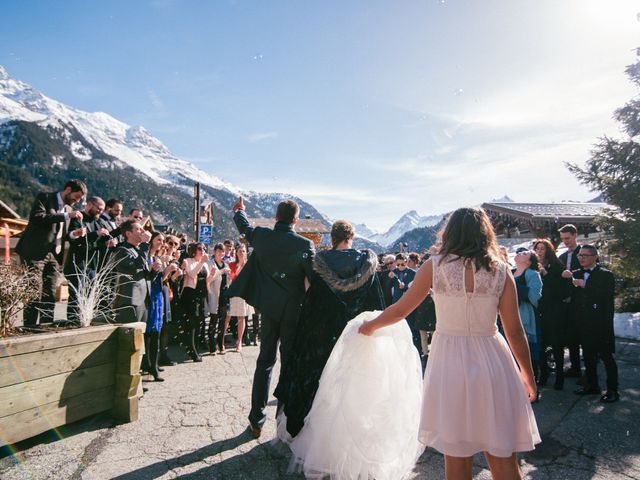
x=206 y=234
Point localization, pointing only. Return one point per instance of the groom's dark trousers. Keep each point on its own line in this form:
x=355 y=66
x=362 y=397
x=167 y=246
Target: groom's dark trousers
x=272 y=282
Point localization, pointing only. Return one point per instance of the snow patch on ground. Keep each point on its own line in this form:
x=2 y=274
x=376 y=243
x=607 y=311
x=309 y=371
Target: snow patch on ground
x=627 y=325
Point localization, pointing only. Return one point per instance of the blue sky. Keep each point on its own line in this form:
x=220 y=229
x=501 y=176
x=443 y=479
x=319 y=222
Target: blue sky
x=366 y=109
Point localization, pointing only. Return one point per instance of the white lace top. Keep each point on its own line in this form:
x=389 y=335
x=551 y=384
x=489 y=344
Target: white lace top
x=466 y=314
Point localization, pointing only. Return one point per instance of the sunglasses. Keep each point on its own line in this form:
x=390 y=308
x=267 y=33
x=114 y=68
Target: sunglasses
x=171 y=243
x=581 y=255
x=200 y=248
x=400 y=265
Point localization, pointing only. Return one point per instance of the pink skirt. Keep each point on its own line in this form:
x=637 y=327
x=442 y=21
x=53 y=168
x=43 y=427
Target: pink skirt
x=238 y=307
x=474 y=399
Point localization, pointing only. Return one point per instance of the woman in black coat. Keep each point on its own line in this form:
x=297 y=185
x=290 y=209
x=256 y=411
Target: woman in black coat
x=552 y=309
x=343 y=285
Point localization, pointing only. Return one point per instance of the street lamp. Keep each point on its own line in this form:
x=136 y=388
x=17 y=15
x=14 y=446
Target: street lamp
x=206 y=214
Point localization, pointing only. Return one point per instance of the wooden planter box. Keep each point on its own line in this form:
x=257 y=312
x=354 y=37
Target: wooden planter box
x=51 y=379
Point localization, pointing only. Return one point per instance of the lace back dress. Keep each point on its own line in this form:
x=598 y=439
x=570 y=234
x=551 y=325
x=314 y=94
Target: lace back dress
x=474 y=399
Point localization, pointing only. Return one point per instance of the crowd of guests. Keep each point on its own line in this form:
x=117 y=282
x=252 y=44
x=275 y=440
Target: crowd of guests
x=179 y=288
x=396 y=272
x=565 y=302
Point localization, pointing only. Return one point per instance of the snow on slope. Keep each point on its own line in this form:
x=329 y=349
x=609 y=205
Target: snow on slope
x=133 y=145
x=407 y=222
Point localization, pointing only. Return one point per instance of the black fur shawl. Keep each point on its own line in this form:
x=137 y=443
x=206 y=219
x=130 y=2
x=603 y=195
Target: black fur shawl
x=345 y=270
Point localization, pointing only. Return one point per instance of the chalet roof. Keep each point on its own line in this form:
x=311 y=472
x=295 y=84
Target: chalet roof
x=14 y=225
x=304 y=225
x=147 y=223
x=7 y=212
x=543 y=211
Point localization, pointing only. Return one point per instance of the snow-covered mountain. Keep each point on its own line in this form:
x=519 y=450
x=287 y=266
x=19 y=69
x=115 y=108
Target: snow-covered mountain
x=363 y=231
x=132 y=145
x=407 y=222
x=68 y=139
x=505 y=199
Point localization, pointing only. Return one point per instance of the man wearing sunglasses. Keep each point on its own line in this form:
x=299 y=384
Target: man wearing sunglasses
x=388 y=263
x=594 y=292
x=136 y=215
x=401 y=277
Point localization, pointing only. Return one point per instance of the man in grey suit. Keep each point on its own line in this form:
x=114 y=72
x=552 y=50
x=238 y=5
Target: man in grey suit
x=132 y=288
x=273 y=281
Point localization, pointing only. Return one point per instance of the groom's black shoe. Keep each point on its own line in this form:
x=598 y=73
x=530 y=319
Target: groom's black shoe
x=255 y=431
x=588 y=391
x=610 y=396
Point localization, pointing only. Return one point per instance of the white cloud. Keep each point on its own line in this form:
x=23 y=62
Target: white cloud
x=259 y=137
x=155 y=100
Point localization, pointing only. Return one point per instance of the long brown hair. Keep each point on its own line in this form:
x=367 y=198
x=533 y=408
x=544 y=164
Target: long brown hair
x=155 y=234
x=469 y=234
x=550 y=256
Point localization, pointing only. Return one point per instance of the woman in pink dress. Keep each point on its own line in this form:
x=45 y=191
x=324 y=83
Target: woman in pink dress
x=476 y=398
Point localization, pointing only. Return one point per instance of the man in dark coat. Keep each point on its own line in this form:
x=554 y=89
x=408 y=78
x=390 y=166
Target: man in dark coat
x=41 y=245
x=569 y=259
x=109 y=219
x=273 y=281
x=594 y=286
x=386 y=282
x=85 y=235
x=133 y=284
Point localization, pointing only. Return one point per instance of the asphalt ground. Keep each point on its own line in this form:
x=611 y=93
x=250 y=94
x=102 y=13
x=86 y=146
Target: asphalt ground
x=194 y=426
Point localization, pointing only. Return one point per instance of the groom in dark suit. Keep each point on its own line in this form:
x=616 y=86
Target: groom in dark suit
x=41 y=246
x=274 y=283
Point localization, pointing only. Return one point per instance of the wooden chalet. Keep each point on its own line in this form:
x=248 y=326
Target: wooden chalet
x=543 y=219
x=11 y=225
x=310 y=228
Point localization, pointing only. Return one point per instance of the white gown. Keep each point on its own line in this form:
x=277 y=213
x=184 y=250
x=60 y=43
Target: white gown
x=365 y=417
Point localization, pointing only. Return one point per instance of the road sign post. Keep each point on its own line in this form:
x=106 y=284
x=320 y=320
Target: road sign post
x=205 y=234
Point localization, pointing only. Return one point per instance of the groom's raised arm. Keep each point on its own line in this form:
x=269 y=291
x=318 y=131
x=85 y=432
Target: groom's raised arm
x=241 y=220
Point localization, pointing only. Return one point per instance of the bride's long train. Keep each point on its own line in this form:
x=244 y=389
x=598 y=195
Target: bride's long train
x=365 y=417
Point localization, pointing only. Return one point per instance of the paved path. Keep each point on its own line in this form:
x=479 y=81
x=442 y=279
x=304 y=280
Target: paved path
x=194 y=426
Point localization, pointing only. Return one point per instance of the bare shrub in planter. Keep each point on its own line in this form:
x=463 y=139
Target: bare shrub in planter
x=18 y=286
x=94 y=292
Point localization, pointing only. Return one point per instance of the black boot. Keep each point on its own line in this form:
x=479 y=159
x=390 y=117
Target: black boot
x=558 y=356
x=544 y=373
